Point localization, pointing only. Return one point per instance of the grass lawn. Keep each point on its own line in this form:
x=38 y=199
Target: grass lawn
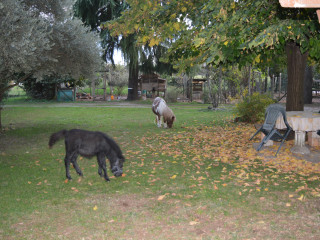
x=199 y=180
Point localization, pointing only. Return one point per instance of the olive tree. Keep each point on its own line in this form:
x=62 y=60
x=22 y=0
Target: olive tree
x=41 y=38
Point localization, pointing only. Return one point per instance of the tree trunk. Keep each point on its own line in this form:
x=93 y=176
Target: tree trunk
x=133 y=79
x=219 y=86
x=0 y=118
x=296 y=64
x=1 y=108
x=191 y=88
x=308 y=79
x=211 y=94
x=272 y=86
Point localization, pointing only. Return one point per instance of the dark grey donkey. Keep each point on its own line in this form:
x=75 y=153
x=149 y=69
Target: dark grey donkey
x=89 y=144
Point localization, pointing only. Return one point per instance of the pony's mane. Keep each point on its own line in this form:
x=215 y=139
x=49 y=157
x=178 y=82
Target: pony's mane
x=168 y=113
x=114 y=146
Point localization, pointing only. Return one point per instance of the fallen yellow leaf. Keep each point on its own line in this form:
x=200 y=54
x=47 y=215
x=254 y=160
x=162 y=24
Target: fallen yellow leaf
x=193 y=223
x=301 y=197
x=160 y=198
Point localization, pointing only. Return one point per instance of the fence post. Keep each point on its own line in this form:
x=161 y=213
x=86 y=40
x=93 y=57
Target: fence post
x=249 y=81
x=272 y=85
x=266 y=81
x=93 y=86
x=280 y=86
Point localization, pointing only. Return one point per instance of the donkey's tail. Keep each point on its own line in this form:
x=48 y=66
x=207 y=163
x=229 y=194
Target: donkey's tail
x=56 y=137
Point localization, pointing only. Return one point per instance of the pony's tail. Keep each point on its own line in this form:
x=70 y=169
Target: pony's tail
x=56 y=137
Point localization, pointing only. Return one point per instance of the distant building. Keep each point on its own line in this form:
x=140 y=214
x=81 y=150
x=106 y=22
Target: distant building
x=151 y=86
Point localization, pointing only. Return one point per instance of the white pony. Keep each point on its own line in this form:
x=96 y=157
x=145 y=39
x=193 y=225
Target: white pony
x=160 y=108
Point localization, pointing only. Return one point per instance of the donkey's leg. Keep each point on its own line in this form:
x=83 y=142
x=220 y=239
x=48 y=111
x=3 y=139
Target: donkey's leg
x=102 y=165
x=75 y=164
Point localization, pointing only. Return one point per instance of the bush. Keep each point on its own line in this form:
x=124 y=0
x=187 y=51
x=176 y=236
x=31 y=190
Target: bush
x=39 y=89
x=45 y=89
x=252 y=108
x=205 y=97
x=172 y=95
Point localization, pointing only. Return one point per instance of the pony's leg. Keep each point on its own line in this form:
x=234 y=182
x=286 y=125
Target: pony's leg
x=75 y=164
x=100 y=171
x=102 y=165
x=165 y=125
x=159 y=121
x=67 y=165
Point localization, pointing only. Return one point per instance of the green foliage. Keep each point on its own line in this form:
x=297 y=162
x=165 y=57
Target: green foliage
x=39 y=89
x=45 y=89
x=172 y=94
x=218 y=32
x=205 y=96
x=252 y=108
x=40 y=38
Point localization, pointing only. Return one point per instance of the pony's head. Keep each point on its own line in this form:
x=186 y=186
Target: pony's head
x=117 y=165
x=170 y=121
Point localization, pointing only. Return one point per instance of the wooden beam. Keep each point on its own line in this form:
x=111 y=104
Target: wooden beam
x=301 y=4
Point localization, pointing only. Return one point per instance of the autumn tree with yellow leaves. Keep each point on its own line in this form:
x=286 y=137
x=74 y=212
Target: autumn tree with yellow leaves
x=228 y=32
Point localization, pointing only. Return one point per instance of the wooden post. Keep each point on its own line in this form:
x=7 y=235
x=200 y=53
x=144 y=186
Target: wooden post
x=105 y=86
x=279 y=86
x=253 y=82
x=266 y=81
x=272 y=85
x=93 y=88
x=219 y=90
x=249 y=81
x=56 y=91
x=74 y=93
x=225 y=90
x=191 y=89
x=260 y=83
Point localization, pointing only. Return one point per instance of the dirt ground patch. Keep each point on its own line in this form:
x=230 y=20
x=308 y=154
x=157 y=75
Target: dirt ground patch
x=133 y=216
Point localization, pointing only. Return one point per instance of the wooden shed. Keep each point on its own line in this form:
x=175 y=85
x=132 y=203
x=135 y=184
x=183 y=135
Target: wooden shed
x=197 y=88
x=151 y=85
